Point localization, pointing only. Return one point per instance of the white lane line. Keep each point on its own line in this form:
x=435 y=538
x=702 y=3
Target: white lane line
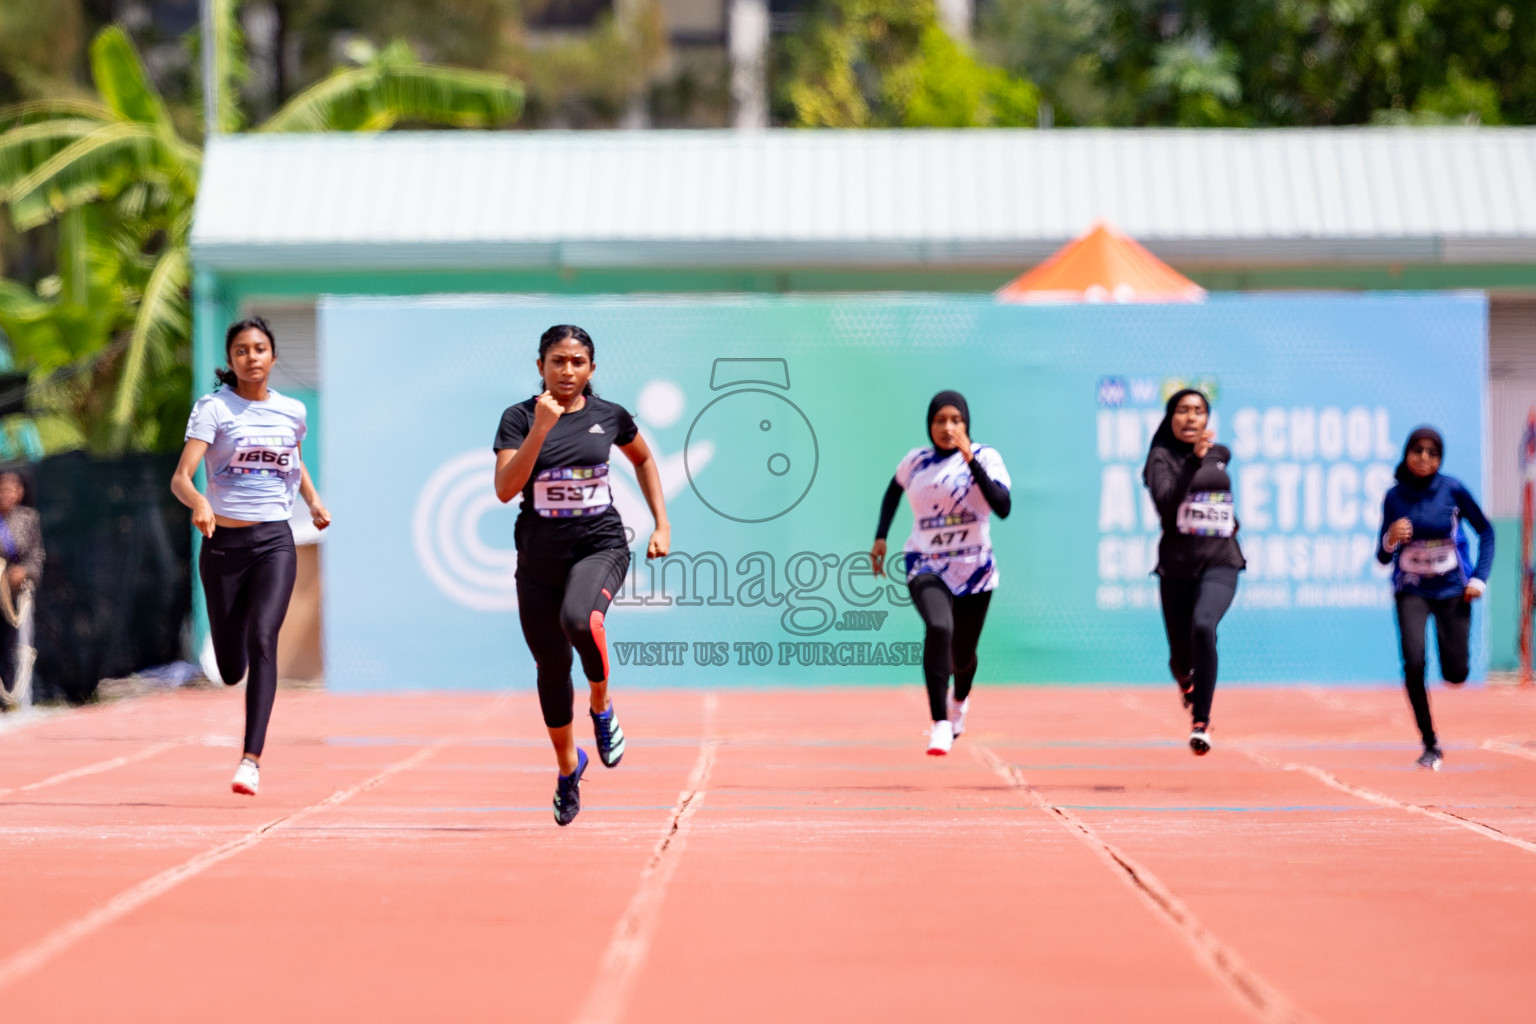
x=1515 y=749
x=631 y=942
x=97 y=768
x=1256 y=994
x=57 y=941
x=1327 y=778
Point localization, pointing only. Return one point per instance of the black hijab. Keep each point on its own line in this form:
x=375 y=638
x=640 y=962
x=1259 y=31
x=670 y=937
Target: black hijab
x=1406 y=476
x=940 y=400
x=1163 y=437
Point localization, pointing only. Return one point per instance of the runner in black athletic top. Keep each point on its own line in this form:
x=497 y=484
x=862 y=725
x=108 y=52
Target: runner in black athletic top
x=250 y=438
x=1198 y=558
x=1432 y=570
x=954 y=486
x=572 y=552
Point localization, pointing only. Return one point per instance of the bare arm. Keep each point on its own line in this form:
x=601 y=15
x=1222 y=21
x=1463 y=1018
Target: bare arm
x=513 y=468
x=639 y=453
x=186 y=491
x=318 y=513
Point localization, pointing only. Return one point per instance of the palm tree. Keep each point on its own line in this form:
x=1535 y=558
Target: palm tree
x=121 y=156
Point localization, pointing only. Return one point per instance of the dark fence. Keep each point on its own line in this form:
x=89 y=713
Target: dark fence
x=117 y=585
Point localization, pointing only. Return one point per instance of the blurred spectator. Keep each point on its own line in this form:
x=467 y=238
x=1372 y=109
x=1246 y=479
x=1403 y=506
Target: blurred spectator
x=21 y=548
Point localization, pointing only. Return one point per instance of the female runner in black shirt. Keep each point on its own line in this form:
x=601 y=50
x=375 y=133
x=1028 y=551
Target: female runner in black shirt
x=1198 y=558
x=572 y=552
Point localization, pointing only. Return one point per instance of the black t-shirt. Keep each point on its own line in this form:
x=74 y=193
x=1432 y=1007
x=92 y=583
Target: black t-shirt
x=1172 y=477
x=567 y=509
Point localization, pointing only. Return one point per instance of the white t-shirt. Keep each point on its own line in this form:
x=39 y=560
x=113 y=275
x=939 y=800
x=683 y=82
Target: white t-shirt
x=951 y=520
x=253 y=453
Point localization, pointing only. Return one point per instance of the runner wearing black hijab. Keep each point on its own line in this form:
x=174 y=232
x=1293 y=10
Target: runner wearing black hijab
x=1198 y=558
x=1432 y=570
x=954 y=486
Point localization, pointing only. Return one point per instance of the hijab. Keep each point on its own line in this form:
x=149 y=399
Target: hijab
x=1163 y=437
x=1406 y=476
x=940 y=400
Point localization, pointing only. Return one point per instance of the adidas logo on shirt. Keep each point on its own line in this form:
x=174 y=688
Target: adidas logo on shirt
x=596 y=428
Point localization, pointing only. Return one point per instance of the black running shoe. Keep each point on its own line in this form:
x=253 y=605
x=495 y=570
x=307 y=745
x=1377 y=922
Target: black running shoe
x=1186 y=681
x=1431 y=758
x=610 y=737
x=568 y=791
x=1200 y=739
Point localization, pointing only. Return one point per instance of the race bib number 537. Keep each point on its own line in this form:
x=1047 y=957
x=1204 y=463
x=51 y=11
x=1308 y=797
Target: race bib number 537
x=570 y=491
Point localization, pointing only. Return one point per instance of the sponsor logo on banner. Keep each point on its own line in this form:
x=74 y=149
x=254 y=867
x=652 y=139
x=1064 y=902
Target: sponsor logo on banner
x=445 y=531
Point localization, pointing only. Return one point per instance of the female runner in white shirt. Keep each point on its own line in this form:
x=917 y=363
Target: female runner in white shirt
x=250 y=438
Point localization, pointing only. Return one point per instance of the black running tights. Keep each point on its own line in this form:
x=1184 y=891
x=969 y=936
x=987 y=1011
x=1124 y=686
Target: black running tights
x=953 y=627
x=1453 y=629
x=247 y=575
x=561 y=603
x=1192 y=608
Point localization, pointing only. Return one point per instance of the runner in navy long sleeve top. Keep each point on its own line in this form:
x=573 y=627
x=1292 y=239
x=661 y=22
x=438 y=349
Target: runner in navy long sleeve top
x=1432 y=570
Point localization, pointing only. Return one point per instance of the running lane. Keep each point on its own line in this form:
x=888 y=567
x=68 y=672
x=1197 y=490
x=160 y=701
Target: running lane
x=773 y=855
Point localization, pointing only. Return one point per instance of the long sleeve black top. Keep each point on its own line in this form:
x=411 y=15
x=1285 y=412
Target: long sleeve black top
x=1171 y=477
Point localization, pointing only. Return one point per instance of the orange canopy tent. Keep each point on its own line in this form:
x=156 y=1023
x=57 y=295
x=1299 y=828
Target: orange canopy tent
x=1102 y=266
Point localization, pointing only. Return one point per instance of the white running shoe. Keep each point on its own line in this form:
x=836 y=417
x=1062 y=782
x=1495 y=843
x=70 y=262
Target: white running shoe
x=247 y=777
x=957 y=714
x=941 y=738
x=1200 y=739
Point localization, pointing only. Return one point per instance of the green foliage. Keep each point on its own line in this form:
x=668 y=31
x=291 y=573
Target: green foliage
x=1199 y=80
x=395 y=86
x=73 y=331
x=592 y=79
x=1272 y=62
x=888 y=63
x=108 y=337
x=40 y=42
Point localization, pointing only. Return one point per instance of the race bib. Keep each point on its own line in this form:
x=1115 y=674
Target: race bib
x=1429 y=557
x=570 y=491
x=1207 y=514
x=959 y=531
x=267 y=456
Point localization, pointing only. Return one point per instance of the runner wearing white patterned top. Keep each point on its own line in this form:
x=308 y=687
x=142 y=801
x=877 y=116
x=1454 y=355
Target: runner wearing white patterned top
x=953 y=486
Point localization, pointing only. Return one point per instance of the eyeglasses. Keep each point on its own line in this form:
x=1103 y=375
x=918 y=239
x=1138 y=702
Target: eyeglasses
x=1424 y=449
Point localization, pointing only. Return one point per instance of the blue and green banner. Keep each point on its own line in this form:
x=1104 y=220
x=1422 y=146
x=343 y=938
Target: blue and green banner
x=777 y=423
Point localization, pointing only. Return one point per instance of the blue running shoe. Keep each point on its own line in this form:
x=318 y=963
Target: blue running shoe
x=568 y=791
x=610 y=737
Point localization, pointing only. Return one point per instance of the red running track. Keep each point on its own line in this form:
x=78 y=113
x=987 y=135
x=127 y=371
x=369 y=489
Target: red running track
x=773 y=856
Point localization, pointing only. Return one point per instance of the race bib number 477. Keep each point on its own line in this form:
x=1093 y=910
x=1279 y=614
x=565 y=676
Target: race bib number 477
x=961 y=531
